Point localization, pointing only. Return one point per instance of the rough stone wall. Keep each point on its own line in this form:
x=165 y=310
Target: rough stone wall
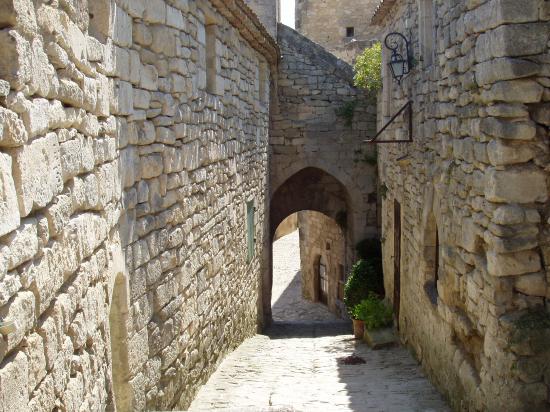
x=313 y=85
x=325 y=23
x=287 y=226
x=115 y=163
x=477 y=175
x=318 y=159
x=320 y=236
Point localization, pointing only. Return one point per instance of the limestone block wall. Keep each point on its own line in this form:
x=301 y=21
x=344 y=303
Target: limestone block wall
x=287 y=226
x=321 y=240
x=313 y=86
x=326 y=21
x=473 y=192
x=268 y=12
x=132 y=136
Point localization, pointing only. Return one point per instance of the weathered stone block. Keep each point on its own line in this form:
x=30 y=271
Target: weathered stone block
x=12 y=129
x=34 y=349
x=511 y=264
x=15 y=61
x=37 y=173
x=122 y=33
x=21 y=310
x=521 y=91
x=501 y=154
x=122 y=98
x=14 y=384
x=519 y=39
x=541 y=114
x=155 y=11
x=9 y=210
x=508 y=130
x=533 y=285
x=508 y=215
x=516 y=186
x=151 y=165
x=23 y=243
x=505 y=68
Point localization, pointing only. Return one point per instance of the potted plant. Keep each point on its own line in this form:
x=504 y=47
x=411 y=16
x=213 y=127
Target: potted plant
x=365 y=277
x=378 y=320
x=357 y=315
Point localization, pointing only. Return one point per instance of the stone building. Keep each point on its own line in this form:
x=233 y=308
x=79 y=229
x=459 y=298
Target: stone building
x=465 y=207
x=133 y=200
x=343 y=27
x=322 y=257
x=318 y=159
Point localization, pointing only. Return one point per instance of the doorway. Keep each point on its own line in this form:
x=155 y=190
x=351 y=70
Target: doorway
x=323 y=281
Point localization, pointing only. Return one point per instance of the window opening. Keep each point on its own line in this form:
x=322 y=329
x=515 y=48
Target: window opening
x=427 y=31
x=350 y=31
x=211 y=59
x=250 y=229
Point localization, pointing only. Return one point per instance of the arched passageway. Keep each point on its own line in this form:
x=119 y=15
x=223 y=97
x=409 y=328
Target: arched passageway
x=310 y=189
x=308 y=262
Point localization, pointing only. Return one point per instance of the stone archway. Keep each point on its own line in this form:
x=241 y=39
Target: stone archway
x=311 y=189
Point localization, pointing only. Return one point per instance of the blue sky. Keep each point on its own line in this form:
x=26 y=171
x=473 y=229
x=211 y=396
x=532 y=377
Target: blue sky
x=287 y=12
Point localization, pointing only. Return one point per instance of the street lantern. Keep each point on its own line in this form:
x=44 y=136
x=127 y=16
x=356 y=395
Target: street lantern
x=399 y=65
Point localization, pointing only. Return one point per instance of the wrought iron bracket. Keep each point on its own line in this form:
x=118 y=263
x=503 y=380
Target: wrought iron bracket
x=408 y=106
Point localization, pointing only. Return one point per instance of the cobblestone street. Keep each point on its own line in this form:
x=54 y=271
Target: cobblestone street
x=294 y=367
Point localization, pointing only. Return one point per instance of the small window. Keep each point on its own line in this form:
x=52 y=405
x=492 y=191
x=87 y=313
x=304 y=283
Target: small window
x=211 y=59
x=350 y=31
x=427 y=31
x=250 y=230
x=341 y=282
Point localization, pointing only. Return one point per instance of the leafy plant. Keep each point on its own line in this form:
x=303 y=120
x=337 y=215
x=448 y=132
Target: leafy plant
x=374 y=312
x=347 y=112
x=368 y=68
x=365 y=277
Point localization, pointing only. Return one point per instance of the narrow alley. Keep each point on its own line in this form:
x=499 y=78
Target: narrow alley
x=297 y=365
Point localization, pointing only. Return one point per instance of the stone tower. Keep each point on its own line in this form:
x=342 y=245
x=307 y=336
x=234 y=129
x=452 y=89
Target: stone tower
x=268 y=12
x=341 y=26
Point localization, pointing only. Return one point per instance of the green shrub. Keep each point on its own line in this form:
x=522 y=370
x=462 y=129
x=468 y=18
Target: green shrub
x=368 y=68
x=365 y=277
x=374 y=312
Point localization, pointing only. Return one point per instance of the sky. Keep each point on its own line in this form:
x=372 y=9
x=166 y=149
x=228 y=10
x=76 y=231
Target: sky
x=287 y=12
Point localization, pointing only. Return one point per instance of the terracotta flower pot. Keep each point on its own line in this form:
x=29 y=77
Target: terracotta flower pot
x=358 y=328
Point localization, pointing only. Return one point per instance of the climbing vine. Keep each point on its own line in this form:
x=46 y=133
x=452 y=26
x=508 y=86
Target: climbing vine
x=347 y=112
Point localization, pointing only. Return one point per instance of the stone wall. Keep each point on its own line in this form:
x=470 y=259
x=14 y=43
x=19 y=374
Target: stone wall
x=268 y=13
x=473 y=192
x=321 y=240
x=325 y=22
x=287 y=226
x=318 y=159
x=132 y=135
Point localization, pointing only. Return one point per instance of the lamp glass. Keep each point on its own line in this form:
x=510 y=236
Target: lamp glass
x=398 y=68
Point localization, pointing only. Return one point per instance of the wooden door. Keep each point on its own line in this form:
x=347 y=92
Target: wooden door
x=397 y=260
x=323 y=282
